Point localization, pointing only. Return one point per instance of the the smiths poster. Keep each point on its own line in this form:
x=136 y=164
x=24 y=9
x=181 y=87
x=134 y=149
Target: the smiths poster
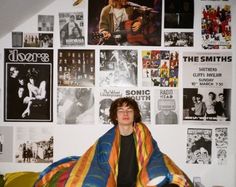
x=28 y=85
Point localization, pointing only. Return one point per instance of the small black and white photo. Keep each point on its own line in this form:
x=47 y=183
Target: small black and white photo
x=118 y=67
x=45 y=23
x=45 y=40
x=1 y=143
x=179 y=14
x=75 y=106
x=34 y=145
x=76 y=68
x=71 y=29
x=28 y=85
x=178 y=39
x=6 y=144
x=31 y=40
x=199 y=146
x=17 y=39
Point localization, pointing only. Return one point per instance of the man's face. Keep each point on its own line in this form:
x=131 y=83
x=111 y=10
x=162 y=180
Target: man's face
x=125 y=115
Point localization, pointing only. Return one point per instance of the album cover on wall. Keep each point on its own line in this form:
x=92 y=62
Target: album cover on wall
x=34 y=145
x=76 y=67
x=137 y=23
x=28 y=85
x=6 y=144
x=160 y=68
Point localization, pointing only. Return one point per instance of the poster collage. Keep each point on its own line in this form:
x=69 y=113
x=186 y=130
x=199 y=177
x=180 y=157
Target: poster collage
x=89 y=79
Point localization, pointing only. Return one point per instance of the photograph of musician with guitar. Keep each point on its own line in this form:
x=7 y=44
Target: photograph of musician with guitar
x=123 y=22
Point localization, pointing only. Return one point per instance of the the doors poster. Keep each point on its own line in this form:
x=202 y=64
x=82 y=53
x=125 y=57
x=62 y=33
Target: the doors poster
x=207 y=82
x=28 y=85
x=145 y=16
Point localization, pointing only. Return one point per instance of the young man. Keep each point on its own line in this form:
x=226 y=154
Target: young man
x=125 y=156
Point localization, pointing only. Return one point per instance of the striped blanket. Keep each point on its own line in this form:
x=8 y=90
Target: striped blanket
x=98 y=166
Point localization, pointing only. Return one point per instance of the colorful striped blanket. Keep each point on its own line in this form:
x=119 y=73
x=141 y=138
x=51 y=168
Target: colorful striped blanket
x=98 y=166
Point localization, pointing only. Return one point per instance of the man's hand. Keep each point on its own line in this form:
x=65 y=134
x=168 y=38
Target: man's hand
x=136 y=25
x=106 y=35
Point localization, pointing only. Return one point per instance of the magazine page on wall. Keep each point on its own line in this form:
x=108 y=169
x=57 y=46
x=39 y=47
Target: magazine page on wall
x=28 y=85
x=207 y=83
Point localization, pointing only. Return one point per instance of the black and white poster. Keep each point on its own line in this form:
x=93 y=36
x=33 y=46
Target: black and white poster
x=178 y=39
x=160 y=68
x=221 y=143
x=31 y=40
x=6 y=144
x=207 y=82
x=216 y=27
x=199 y=146
x=17 y=39
x=76 y=68
x=179 y=14
x=28 y=85
x=75 y=105
x=106 y=97
x=141 y=96
x=34 y=145
x=166 y=106
x=118 y=67
x=45 y=23
x=71 y=29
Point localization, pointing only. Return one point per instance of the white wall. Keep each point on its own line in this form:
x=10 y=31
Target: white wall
x=74 y=140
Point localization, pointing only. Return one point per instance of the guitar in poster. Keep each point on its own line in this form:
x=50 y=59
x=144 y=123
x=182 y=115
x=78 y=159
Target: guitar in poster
x=124 y=22
x=28 y=85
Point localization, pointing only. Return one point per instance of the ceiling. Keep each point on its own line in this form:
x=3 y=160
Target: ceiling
x=15 y=12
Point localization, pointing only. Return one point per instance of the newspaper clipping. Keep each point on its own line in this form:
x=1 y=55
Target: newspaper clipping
x=160 y=68
x=71 y=29
x=207 y=82
x=216 y=27
x=76 y=68
x=199 y=146
x=28 y=85
x=118 y=67
x=166 y=106
x=33 y=145
x=75 y=106
x=221 y=143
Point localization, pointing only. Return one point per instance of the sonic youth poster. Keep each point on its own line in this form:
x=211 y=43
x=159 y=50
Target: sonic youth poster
x=71 y=29
x=142 y=96
x=207 y=82
x=34 y=145
x=216 y=27
x=132 y=22
x=160 y=68
x=199 y=146
x=166 y=106
x=75 y=106
x=118 y=67
x=76 y=68
x=28 y=85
